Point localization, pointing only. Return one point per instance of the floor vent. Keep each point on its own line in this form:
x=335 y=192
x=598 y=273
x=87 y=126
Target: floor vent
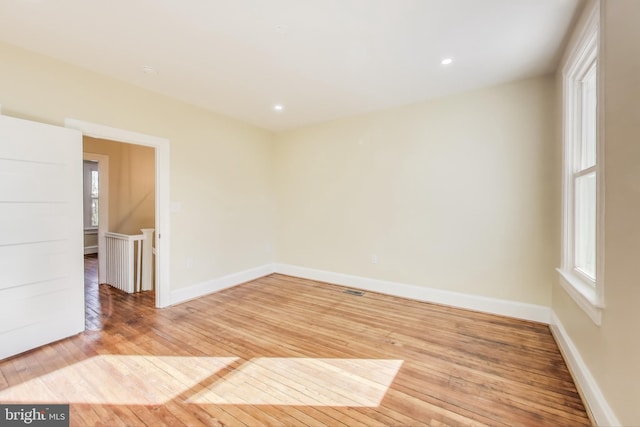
x=352 y=292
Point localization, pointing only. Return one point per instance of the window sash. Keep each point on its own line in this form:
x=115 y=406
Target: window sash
x=94 y=212
x=584 y=185
x=90 y=196
x=587 y=108
x=585 y=226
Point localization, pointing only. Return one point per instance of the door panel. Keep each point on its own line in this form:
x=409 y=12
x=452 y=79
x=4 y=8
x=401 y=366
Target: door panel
x=41 y=255
x=22 y=223
x=16 y=263
x=33 y=303
x=43 y=182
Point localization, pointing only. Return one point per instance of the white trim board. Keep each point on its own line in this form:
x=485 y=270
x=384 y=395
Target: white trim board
x=597 y=405
x=210 y=286
x=536 y=313
x=162 y=166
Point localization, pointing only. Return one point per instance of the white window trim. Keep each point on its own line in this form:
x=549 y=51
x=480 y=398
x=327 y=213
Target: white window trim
x=588 y=295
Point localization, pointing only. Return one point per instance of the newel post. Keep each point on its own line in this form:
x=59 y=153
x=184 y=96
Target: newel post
x=147 y=259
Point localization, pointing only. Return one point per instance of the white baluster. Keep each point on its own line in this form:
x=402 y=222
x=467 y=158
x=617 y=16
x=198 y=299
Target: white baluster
x=147 y=259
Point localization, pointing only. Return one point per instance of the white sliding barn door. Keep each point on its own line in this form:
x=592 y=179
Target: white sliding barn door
x=41 y=246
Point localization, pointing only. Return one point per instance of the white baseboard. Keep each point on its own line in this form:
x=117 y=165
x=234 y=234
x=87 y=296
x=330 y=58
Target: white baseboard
x=214 y=285
x=597 y=405
x=537 y=313
x=90 y=250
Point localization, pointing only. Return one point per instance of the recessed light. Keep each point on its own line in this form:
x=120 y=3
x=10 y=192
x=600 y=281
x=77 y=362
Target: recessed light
x=446 y=61
x=278 y=107
x=149 y=70
x=281 y=28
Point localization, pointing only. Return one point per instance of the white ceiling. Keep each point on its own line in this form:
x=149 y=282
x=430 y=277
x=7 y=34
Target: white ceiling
x=321 y=59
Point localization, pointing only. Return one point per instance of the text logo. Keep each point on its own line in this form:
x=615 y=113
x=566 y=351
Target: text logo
x=34 y=415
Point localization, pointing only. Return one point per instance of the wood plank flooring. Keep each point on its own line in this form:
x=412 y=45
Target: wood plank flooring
x=286 y=351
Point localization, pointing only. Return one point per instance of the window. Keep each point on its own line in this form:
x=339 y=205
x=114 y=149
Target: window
x=90 y=195
x=94 y=198
x=581 y=269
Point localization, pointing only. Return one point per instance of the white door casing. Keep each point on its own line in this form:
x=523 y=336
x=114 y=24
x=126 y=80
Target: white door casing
x=41 y=237
x=162 y=209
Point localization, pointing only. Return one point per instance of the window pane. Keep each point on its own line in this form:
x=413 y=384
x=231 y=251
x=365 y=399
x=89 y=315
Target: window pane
x=585 y=225
x=94 y=212
x=94 y=183
x=589 y=120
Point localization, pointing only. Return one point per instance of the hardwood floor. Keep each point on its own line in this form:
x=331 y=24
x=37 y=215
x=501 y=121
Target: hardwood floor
x=286 y=351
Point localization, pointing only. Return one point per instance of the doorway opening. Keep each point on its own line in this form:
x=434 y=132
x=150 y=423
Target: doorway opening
x=119 y=216
x=158 y=198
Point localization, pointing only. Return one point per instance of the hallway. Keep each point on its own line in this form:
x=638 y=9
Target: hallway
x=101 y=299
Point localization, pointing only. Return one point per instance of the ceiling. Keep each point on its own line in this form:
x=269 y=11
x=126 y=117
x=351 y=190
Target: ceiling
x=319 y=59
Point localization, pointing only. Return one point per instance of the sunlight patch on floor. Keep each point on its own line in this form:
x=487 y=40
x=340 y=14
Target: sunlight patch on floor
x=155 y=380
x=118 y=380
x=303 y=381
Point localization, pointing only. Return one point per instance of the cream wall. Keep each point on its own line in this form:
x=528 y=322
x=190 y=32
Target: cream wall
x=131 y=184
x=612 y=351
x=455 y=194
x=221 y=169
x=90 y=239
